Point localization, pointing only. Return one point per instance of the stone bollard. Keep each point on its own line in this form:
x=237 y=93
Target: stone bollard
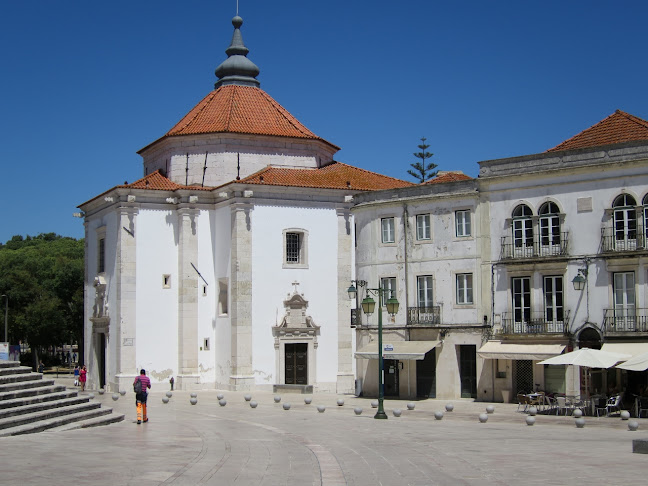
x=490 y=408
x=165 y=399
x=533 y=411
x=411 y=406
x=577 y=413
x=580 y=422
x=277 y=399
x=122 y=392
x=308 y=400
x=374 y=403
x=625 y=415
x=438 y=415
x=397 y=412
x=247 y=398
x=633 y=425
x=449 y=407
x=286 y=406
x=321 y=408
x=193 y=395
x=169 y=394
x=340 y=402
x=253 y=404
x=530 y=420
x=222 y=402
x=483 y=418
x=115 y=396
x=220 y=396
x=193 y=400
x=101 y=391
x=358 y=410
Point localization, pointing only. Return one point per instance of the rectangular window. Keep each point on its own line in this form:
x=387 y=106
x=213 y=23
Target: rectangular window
x=387 y=230
x=293 y=247
x=464 y=288
x=521 y=295
x=166 y=281
x=553 y=297
x=101 y=262
x=206 y=344
x=424 y=290
x=624 y=301
x=388 y=283
x=462 y=220
x=222 y=297
x=423 y=227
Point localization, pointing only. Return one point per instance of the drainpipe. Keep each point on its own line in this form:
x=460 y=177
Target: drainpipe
x=405 y=225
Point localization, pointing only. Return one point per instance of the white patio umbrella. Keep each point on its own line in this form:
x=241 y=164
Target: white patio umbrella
x=636 y=363
x=590 y=358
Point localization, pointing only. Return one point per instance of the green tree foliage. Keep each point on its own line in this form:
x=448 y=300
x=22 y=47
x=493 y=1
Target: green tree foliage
x=43 y=277
x=423 y=170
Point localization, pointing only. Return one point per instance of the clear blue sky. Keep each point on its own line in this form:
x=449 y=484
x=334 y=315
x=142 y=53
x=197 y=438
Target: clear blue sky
x=86 y=84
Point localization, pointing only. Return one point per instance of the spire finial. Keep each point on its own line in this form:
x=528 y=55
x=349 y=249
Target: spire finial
x=237 y=68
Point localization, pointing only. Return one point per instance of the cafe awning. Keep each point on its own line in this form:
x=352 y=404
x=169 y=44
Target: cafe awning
x=534 y=352
x=633 y=349
x=401 y=350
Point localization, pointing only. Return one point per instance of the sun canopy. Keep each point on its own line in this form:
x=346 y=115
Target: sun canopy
x=633 y=349
x=636 y=363
x=401 y=350
x=534 y=352
x=590 y=358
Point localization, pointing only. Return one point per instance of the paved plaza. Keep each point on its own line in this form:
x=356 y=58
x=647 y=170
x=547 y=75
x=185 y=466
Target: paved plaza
x=209 y=444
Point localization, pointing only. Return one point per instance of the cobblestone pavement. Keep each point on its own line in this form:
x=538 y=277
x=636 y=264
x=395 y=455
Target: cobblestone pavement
x=235 y=444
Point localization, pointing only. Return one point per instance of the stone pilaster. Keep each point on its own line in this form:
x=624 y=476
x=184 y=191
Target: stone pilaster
x=188 y=376
x=345 y=378
x=124 y=317
x=241 y=377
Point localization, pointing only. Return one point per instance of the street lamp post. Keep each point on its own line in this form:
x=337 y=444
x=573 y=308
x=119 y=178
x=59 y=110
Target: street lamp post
x=368 y=305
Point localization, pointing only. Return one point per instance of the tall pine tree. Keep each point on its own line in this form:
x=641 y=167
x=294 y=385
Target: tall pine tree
x=423 y=170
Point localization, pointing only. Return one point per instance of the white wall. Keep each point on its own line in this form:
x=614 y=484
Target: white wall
x=271 y=284
x=157 y=307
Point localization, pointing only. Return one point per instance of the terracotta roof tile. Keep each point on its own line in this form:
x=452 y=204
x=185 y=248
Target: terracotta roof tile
x=619 y=127
x=241 y=109
x=333 y=176
x=450 y=176
x=157 y=182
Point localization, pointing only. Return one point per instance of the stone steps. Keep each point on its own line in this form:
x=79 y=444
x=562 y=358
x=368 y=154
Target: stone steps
x=30 y=404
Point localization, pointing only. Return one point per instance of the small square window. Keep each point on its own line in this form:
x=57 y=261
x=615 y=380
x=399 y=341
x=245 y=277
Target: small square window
x=206 y=344
x=166 y=281
x=423 y=227
x=387 y=230
x=462 y=220
x=204 y=291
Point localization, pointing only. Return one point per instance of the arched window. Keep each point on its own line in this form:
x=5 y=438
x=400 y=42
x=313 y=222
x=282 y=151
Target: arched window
x=549 y=229
x=625 y=222
x=522 y=231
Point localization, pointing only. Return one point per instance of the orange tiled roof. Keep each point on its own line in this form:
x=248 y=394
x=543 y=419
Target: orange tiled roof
x=450 y=176
x=333 y=176
x=157 y=182
x=241 y=109
x=619 y=127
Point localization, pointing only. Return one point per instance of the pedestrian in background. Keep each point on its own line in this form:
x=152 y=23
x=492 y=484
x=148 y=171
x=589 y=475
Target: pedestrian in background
x=83 y=374
x=140 y=386
x=76 y=375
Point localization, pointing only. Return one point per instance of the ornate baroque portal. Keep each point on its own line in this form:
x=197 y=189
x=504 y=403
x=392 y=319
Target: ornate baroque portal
x=296 y=343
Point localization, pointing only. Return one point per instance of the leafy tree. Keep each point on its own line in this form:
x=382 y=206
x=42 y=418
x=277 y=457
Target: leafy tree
x=43 y=278
x=423 y=170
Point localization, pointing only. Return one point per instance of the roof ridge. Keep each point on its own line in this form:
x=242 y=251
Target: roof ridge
x=204 y=102
x=633 y=118
x=284 y=113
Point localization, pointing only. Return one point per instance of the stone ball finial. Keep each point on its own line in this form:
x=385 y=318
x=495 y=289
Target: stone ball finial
x=237 y=22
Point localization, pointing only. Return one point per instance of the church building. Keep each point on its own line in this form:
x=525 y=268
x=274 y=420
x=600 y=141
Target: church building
x=227 y=264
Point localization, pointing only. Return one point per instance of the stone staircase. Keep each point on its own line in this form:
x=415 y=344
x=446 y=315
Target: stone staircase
x=30 y=404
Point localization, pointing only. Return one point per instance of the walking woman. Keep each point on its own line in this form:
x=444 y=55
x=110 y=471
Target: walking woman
x=82 y=377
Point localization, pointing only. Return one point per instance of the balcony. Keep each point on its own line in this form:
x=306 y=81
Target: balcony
x=626 y=240
x=424 y=316
x=625 y=322
x=540 y=247
x=535 y=323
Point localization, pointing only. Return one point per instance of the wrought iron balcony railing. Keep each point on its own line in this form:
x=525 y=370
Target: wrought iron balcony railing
x=537 y=322
x=538 y=247
x=424 y=316
x=626 y=320
x=625 y=239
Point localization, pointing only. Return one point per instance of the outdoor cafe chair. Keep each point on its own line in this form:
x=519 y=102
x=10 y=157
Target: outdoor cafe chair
x=561 y=404
x=613 y=405
x=643 y=406
x=523 y=401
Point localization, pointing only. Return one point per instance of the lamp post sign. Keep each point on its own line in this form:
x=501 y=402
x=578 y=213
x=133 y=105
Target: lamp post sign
x=388 y=347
